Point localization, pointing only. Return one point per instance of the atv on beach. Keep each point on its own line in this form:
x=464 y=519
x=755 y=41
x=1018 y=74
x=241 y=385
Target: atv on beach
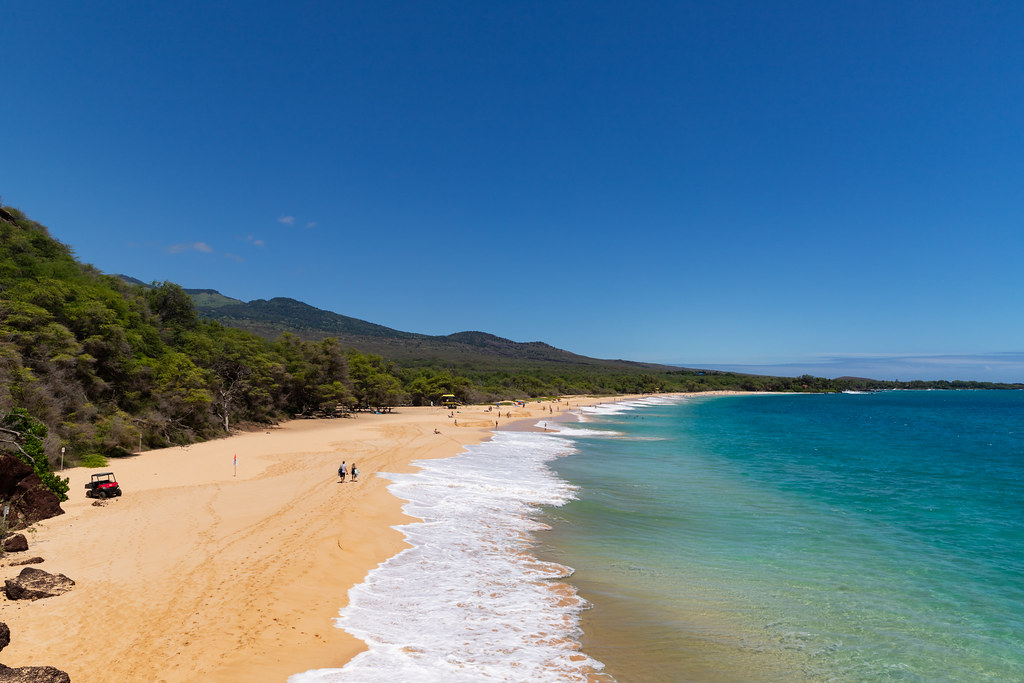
x=103 y=485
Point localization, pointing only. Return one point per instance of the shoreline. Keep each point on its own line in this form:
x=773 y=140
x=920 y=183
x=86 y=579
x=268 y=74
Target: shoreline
x=201 y=573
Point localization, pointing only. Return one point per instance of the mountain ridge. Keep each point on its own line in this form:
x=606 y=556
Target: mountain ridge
x=270 y=318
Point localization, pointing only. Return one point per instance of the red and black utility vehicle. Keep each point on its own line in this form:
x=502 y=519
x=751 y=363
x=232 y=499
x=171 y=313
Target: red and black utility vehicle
x=103 y=485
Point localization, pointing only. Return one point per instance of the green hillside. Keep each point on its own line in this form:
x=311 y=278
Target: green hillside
x=463 y=350
x=102 y=366
x=271 y=318
x=210 y=298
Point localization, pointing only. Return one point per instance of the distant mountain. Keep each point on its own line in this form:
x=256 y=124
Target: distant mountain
x=132 y=280
x=281 y=314
x=270 y=319
x=211 y=298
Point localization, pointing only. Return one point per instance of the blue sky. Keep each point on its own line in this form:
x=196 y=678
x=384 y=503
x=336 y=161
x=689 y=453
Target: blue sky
x=804 y=186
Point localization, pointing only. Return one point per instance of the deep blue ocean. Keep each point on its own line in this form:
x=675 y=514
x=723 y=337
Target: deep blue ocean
x=846 y=537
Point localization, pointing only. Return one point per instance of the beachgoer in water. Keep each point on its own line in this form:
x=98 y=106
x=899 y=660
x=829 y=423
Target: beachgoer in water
x=342 y=470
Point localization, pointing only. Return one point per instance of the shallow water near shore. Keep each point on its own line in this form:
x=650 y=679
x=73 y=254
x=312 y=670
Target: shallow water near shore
x=783 y=538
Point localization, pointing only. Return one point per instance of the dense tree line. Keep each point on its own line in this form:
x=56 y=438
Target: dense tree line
x=110 y=367
x=99 y=366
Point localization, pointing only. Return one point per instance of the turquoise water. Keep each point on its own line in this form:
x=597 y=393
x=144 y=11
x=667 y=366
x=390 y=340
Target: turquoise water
x=821 y=537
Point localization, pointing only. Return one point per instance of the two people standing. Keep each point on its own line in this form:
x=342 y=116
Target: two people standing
x=343 y=470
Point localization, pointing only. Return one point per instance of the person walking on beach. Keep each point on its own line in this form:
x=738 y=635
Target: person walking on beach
x=341 y=471
x=355 y=472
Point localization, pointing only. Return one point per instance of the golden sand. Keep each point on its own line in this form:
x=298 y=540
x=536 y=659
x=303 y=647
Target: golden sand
x=200 y=572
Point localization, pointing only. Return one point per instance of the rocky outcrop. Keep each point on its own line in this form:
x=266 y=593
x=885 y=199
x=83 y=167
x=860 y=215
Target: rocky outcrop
x=33 y=584
x=27 y=674
x=31 y=560
x=30 y=500
x=33 y=674
x=15 y=543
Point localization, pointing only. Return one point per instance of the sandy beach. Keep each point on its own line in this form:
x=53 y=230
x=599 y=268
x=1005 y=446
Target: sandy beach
x=204 y=572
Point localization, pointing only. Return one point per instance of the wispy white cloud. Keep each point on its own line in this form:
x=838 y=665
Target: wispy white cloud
x=190 y=246
x=256 y=242
x=292 y=220
x=204 y=248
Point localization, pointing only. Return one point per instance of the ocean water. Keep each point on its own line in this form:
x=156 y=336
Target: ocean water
x=755 y=538
x=806 y=537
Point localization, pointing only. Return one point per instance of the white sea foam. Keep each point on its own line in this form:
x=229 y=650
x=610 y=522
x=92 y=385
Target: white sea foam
x=619 y=407
x=607 y=408
x=467 y=602
x=567 y=429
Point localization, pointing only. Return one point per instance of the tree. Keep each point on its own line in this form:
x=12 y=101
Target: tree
x=374 y=383
x=173 y=306
x=429 y=386
x=23 y=434
x=314 y=375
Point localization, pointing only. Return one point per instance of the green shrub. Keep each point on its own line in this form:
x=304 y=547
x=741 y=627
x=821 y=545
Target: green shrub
x=92 y=460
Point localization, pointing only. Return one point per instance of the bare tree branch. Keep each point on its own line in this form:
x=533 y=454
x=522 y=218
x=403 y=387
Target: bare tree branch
x=14 y=442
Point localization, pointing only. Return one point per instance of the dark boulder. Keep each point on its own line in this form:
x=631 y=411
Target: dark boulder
x=30 y=500
x=33 y=584
x=5 y=635
x=6 y=216
x=30 y=560
x=33 y=674
x=15 y=543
